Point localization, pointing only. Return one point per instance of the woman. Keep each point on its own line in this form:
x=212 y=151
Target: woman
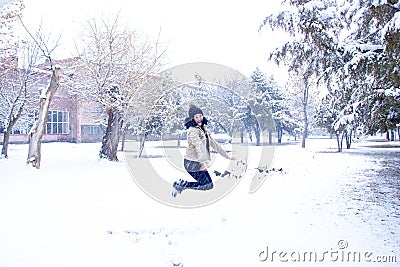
x=197 y=156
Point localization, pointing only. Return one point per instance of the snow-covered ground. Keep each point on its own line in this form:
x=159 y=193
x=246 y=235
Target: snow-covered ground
x=78 y=210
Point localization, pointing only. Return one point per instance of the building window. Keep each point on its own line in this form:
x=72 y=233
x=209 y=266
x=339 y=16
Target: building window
x=57 y=122
x=93 y=130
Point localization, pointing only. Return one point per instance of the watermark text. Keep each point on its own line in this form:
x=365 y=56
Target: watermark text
x=339 y=254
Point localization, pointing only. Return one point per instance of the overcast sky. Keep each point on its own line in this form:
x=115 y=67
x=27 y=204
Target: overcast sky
x=218 y=31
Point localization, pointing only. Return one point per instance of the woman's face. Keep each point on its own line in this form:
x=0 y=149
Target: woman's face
x=198 y=118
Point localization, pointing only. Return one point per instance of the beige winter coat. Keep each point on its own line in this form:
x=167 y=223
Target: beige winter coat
x=197 y=150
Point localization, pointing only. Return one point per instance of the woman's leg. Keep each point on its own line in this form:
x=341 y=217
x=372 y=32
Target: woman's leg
x=204 y=181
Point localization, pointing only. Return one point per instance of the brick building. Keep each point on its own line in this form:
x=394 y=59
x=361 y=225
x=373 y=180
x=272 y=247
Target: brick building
x=70 y=119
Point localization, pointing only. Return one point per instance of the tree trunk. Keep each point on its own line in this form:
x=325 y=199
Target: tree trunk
x=12 y=120
x=124 y=130
x=398 y=132
x=258 y=135
x=141 y=147
x=339 y=142
x=305 y=115
x=257 y=130
x=123 y=140
x=348 y=139
x=305 y=134
x=6 y=137
x=109 y=146
x=36 y=133
x=241 y=137
x=270 y=137
x=391 y=135
x=280 y=133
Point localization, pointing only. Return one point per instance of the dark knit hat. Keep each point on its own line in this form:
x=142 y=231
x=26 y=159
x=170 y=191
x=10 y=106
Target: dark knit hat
x=193 y=110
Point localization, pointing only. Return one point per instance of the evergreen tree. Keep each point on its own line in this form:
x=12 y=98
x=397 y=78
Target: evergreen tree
x=351 y=47
x=325 y=115
x=275 y=102
x=372 y=71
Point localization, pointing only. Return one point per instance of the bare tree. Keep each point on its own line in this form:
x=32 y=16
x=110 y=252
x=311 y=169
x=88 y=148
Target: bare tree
x=13 y=78
x=10 y=12
x=115 y=65
x=36 y=133
x=151 y=109
x=14 y=98
x=304 y=106
x=302 y=93
x=16 y=91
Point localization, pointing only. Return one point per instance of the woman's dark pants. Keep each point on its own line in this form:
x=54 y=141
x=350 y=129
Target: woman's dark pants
x=203 y=178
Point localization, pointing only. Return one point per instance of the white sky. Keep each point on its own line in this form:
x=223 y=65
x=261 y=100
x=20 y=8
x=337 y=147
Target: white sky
x=218 y=31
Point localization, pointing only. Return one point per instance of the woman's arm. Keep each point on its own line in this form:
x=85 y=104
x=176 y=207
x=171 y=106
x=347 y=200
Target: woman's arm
x=214 y=144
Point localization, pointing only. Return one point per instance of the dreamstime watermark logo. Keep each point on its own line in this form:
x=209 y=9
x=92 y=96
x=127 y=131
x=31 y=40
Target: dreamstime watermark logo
x=340 y=254
x=219 y=91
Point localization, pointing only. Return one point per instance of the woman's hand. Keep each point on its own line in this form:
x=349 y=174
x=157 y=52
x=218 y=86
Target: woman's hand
x=203 y=167
x=232 y=158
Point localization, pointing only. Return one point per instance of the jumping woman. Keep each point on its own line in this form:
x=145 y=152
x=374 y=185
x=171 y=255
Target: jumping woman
x=197 y=157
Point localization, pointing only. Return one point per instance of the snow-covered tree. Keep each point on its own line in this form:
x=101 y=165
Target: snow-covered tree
x=46 y=48
x=310 y=51
x=18 y=93
x=18 y=58
x=325 y=115
x=351 y=47
x=375 y=28
x=385 y=112
x=302 y=101
x=275 y=102
x=10 y=14
x=13 y=81
x=153 y=110
x=238 y=118
x=369 y=77
x=246 y=109
x=260 y=101
x=116 y=64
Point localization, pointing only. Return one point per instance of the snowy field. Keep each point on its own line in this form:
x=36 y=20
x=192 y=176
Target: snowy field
x=340 y=209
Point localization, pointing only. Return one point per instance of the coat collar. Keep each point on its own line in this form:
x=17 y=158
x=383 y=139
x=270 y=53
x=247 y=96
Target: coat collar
x=191 y=123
